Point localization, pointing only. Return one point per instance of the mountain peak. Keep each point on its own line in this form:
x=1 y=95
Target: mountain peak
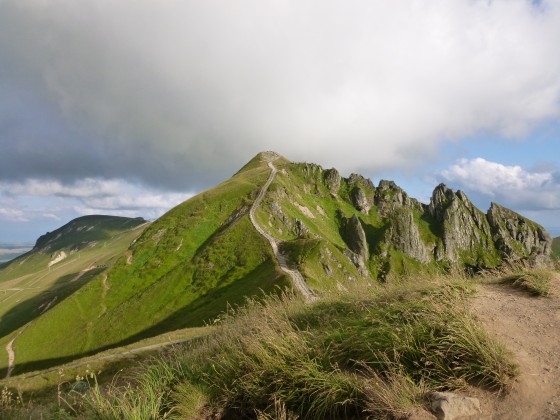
x=260 y=159
x=267 y=156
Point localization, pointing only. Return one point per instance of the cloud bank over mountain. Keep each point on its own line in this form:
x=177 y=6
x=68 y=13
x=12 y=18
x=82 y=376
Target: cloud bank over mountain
x=179 y=94
x=510 y=185
x=164 y=98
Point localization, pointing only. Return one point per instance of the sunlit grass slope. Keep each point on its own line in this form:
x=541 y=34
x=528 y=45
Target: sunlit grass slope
x=185 y=269
x=361 y=353
x=300 y=192
x=78 y=235
x=34 y=284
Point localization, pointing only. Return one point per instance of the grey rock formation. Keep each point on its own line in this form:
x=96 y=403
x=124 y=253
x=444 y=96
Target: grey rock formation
x=403 y=234
x=300 y=229
x=355 y=237
x=516 y=236
x=359 y=200
x=277 y=211
x=332 y=180
x=465 y=231
x=359 y=180
x=449 y=406
x=389 y=196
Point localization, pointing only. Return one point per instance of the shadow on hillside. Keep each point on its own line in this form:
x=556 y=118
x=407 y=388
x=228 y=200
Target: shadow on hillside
x=31 y=308
x=374 y=236
x=195 y=314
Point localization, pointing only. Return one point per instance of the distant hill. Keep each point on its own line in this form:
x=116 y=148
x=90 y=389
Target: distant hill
x=58 y=265
x=206 y=256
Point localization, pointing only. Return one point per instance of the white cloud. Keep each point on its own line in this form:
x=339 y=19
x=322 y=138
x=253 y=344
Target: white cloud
x=509 y=185
x=89 y=196
x=169 y=91
x=51 y=216
x=13 y=215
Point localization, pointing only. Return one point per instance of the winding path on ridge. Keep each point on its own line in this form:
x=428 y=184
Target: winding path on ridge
x=296 y=276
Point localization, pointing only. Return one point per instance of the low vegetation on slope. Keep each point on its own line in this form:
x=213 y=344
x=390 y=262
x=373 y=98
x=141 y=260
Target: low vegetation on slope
x=60 y=264
x=367 y=352
x=205 y=255
x=535 y=281
x=556 y=248
x=183 y=271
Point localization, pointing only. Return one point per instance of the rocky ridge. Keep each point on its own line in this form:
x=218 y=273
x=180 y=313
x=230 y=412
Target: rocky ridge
x=382 y=227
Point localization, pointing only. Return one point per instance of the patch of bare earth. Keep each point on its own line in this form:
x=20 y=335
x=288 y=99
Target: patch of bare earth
x=530 y=328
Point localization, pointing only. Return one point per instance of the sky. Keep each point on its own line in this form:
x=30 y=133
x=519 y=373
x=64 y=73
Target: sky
x=131 y=107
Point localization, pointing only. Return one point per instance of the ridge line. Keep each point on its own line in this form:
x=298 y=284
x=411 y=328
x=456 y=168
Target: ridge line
x=296 y=276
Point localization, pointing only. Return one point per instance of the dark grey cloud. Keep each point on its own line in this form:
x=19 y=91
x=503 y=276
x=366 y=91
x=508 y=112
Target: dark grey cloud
x=179 y=94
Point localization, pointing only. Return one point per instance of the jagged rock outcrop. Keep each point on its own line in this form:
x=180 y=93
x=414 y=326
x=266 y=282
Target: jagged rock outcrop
x=448 y=232
x=300 y=229
x=465 y=231
x=403 y=235
x=389 y=196
x=359 y=200
x=516 y=236
x=355 y=237
x=362 y=192
x=332 y=180
x=277 y=210
x=359 y=180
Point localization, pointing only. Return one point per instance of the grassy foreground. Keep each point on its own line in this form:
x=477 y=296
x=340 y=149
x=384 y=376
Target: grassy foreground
x=363 y=353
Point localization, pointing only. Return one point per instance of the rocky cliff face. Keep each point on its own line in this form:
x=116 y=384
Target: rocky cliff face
x=380 y=228
x=403 y=235
x=464 y=229
x=516 y=236
x=355 y=237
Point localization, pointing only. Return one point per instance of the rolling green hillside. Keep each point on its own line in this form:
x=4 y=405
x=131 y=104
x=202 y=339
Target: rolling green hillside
x=41 y=279
x=205 y=256
x=192 y=264
x=556 y=247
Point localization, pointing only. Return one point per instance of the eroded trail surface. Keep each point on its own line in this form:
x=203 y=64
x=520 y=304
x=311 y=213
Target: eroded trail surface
x=295 y=275
x=530 y=328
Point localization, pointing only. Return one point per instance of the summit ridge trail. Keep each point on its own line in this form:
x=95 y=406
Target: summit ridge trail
x=295 y=275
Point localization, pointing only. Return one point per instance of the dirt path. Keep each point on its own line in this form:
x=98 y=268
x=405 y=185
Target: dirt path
x=12 y=353
x=81 y=273
x=296 y=276
x=89 y=361
x=11 y=357
x=104 y=289
x=530 y=328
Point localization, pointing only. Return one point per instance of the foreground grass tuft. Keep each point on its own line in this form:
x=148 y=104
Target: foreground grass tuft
x=363 y=353
x=536 y=282
x=355 y=354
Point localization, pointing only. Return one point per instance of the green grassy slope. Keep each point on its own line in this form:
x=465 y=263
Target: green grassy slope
x=300 y=192
x=30 y=287
x=556 y=247
x=185 y=269
x=204 y=256
x=80 y=234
